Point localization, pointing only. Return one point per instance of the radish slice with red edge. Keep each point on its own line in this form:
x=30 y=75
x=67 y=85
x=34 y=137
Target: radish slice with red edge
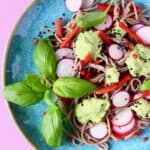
x=106 y=24
x=144 y=34
x=122 y=117
x=64 y=53
x=127 y=129
x=121 y=99
x=148 y=97
x=87 y=3
x=115 y=52
x=99 y=131
x=141 y=95
x=136 y=27
x=73 y=5
x=65 y=68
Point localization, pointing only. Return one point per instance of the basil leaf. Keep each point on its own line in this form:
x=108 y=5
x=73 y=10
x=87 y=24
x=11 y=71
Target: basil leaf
x=91 y=19
x=36 y=82
x=71 y=87
x=21 y=94
x=45 y=59
x=52 y=128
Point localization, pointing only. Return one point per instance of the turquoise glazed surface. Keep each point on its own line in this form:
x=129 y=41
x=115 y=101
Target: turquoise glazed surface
x=19 y=62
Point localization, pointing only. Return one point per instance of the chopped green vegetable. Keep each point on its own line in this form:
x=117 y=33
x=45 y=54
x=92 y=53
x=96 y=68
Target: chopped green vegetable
x=72 y=87
x=21 y=94
x=88 y=42
x=145 y=85
x=45 y=59
x=139 y=66
x=117 y=31
x=112 y=75
x=92 y=109
x=142 y=108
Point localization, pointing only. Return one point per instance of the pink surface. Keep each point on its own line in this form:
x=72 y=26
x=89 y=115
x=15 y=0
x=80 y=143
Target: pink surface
x=10 y=136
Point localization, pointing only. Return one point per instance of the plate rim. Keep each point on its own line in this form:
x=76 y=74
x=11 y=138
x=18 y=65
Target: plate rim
x=4 y=62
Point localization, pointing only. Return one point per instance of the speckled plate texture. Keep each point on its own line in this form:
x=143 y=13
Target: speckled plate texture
x=19 y=61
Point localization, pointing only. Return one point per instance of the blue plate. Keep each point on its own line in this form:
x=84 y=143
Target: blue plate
x=19 y=61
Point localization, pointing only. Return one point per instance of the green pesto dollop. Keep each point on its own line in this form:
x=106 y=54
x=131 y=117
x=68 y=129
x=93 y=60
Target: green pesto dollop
x=88 y=42
x=92 y=109
x=139 y=66
x=142 y=108
x=112 y=75
x=145 y=85
x=117 y=31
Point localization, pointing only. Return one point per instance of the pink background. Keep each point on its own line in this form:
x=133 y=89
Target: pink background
x=10 y=136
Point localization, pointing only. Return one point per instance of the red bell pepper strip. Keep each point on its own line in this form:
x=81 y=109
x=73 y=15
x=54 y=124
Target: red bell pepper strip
x=104 y=6
x=86 y=60
x=85 y=74
x=141 y=95
x=96 y=62
x=129 y=45
x=105 y=38
x=114 y=86
x=138 y=9
x=59 y=27
x=66 y=43
x=130 y=32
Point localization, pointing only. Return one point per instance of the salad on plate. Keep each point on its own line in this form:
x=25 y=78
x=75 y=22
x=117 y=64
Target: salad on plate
x=97 y=66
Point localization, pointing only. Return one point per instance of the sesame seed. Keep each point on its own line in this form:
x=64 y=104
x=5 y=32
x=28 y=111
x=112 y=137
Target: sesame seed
x=53 y=23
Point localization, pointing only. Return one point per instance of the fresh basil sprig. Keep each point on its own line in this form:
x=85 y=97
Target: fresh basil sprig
x=35 y=87
x=52 y=128
x=21 y=94
x=72 y=87
x=45 y=59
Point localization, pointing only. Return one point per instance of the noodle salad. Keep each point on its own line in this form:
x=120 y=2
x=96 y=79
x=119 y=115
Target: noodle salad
x=98 y=67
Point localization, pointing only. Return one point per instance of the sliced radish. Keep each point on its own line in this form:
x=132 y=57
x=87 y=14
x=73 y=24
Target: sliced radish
x=65 y=68
x=144 y=34
x=122 y=117
x=73 y=5
x=144 y=94
x=87 y=3
x=121 y=99
x=99 y=131
x=115 y=52
x=137 y=96
x=148 y=97
x=64 y=53
x=137 y=27
x=106 y=24
x=125 y=129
